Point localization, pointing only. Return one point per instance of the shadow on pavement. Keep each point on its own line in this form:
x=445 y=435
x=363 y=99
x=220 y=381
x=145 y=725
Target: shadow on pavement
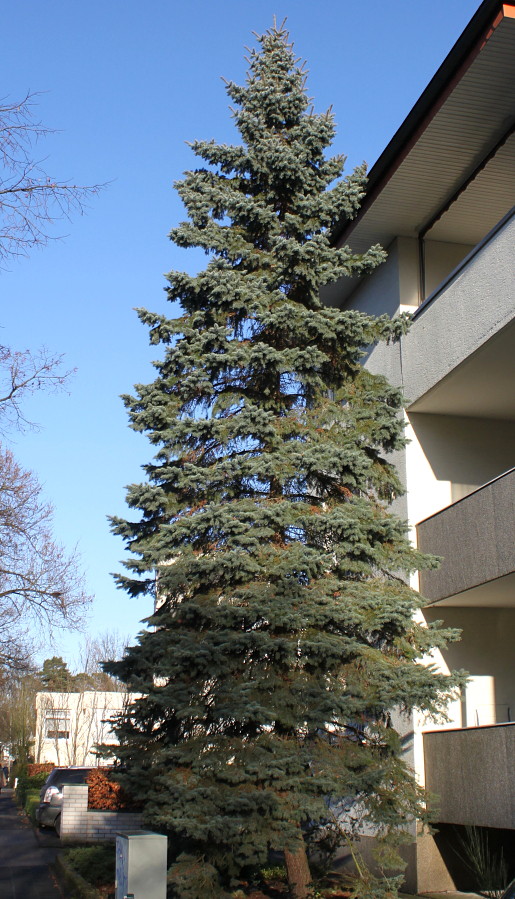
x=25 y=857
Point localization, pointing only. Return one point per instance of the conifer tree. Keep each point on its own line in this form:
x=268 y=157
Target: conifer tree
x=284 y=630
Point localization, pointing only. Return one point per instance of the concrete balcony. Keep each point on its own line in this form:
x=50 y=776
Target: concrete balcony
x=474 y=539
x=472 y=775
x=458 y=358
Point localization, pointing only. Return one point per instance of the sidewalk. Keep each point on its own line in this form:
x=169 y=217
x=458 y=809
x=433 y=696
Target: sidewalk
x=24 y=860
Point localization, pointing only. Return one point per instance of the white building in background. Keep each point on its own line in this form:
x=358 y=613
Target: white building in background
x=441 y=199
x=70 y=725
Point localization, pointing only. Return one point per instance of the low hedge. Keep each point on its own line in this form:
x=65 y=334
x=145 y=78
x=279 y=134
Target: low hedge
x=31 y=803
x=96 y=864
x=72 y=880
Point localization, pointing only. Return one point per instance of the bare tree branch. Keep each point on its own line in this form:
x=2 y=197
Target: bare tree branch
x=22 y=373
x=30 y=200
x=105 y=647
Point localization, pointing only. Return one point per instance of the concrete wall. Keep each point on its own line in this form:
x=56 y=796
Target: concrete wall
x=485 y=651
x=440 y=258
x=428 y=492
x=91 y=825
x=472 y=773
x=409 y=273
x=374 y=294
x=460 y=451
x=394 y=284
x=379 y=293
x=474 y=539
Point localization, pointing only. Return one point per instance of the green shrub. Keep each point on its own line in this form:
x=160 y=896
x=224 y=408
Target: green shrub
x=18 y=768
x=31 y=803
x=274 y=872
x=26 y=783
x=191 y=877
x=96 y=864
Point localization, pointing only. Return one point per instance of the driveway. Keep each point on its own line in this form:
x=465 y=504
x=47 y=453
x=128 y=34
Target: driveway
x=24 y=856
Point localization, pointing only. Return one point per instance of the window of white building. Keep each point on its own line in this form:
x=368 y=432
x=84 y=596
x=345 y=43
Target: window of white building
x=57 y=724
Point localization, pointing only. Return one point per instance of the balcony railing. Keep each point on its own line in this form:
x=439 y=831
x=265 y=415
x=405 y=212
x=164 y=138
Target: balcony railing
x=473 y=537
x=471 y=773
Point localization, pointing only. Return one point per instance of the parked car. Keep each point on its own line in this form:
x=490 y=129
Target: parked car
x=48 y=813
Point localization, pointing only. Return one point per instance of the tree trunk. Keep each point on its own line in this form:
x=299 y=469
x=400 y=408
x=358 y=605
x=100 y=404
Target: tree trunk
x=299 y=875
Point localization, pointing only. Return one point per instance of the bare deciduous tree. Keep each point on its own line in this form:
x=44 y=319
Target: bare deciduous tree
x=30 y=200
x=39 y=582
x=105 y=647
x=23 y=372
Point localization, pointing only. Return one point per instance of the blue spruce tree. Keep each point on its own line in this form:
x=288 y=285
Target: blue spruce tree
x=284 y=630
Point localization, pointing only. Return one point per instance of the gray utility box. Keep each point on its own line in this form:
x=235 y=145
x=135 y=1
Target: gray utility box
x=141 y=865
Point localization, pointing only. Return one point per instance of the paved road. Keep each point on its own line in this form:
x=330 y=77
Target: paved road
x=25 y=857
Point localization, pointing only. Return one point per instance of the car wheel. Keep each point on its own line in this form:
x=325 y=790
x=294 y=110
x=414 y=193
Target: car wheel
x=57 y=825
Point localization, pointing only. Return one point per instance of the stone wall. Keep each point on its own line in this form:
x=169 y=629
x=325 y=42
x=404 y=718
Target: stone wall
x=91 y=825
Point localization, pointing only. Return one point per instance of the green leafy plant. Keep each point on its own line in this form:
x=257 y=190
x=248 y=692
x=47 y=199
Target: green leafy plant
x=488 y=865
x=96 y=864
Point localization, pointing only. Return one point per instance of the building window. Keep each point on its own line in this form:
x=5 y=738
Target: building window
x=57 y=725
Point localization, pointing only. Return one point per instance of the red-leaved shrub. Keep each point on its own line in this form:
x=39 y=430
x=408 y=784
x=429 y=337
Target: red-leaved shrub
x=106 y=794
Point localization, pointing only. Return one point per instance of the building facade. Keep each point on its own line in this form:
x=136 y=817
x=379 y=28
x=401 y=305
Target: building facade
x=440 y=200
x=69 y=726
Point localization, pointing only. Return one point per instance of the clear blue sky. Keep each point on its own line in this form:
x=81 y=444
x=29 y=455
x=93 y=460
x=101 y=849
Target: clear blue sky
x=127 y=83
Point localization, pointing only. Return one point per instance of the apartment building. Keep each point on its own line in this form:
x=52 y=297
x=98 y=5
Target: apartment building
x=440 y=200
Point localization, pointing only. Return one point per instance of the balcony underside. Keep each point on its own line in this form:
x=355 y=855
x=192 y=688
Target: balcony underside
x=498 y=594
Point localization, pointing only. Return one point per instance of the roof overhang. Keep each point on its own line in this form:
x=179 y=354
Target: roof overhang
x=449 y=171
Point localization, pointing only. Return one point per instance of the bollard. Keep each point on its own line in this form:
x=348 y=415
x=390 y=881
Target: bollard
x=141 y=865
